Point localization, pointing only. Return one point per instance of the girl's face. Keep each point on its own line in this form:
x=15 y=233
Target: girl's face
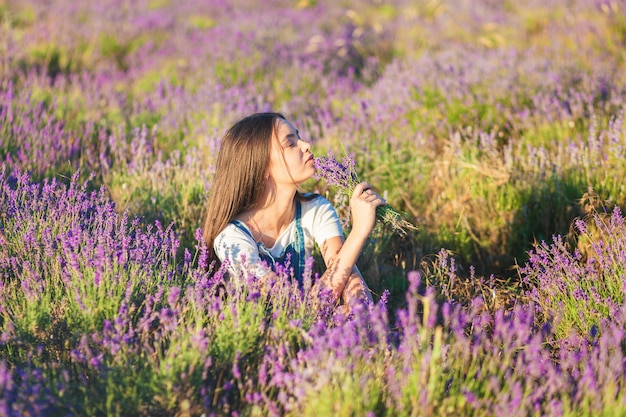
x=291 y=160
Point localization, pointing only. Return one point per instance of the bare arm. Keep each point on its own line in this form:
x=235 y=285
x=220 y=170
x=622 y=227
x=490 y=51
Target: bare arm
x=342 y=275
x=348 y=283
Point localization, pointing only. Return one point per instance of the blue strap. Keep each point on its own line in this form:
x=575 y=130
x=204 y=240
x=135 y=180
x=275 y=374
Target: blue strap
x=295 y=248
x=299 y=243
x=242 y=227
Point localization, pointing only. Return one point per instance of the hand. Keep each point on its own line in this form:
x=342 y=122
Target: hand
x=363 y=205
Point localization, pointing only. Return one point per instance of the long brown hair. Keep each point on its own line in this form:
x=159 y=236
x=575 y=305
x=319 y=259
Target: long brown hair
x=242 y=165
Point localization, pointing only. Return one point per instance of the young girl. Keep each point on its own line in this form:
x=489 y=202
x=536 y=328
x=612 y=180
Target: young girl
x=258 y=218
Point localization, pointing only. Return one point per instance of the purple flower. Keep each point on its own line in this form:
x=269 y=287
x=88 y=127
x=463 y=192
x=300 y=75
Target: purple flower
x=172 y=297
x=335 y=173
x=343 y=176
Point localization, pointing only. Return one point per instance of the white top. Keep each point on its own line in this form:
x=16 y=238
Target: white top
x=320 y=222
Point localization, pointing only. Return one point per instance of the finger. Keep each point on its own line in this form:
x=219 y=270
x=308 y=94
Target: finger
x=371 y=193
x=369 y=196
x=374 y=197
x=371 y=199
x=358 y=190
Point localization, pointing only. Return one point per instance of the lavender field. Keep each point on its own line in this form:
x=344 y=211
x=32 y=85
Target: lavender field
x=496 y=127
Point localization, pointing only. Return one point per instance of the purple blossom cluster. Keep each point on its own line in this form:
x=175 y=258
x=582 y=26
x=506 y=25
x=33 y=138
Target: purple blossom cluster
x=338 y=174
x=581 y=288
x=343 y=176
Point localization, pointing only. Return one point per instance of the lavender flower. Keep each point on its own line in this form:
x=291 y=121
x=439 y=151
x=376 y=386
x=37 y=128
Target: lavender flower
x=343 y=176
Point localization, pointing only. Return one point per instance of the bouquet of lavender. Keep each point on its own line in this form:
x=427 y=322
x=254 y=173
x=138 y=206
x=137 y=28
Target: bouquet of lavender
x=343 y=176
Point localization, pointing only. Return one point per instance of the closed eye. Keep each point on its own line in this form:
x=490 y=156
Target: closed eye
x=291 y=141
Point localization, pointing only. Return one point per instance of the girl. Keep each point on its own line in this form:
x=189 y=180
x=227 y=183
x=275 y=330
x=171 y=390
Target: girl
x=257 y=217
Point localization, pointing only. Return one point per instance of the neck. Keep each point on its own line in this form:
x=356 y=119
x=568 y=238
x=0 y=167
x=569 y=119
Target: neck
x=274 y=213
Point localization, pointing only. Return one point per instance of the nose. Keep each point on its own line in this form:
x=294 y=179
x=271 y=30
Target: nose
x=305 y=146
